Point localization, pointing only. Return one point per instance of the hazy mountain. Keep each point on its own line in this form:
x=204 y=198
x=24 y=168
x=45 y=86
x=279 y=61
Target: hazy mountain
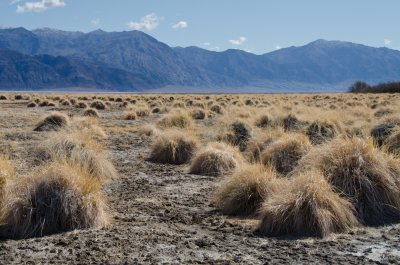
x=20 y=71
x=132 y=59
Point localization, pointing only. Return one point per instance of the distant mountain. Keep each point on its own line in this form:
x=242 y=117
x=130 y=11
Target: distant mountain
x=20 y=71
x=133 y=60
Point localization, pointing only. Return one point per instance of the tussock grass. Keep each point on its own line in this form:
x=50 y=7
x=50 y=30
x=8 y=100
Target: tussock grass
x=31 y=105
x=291 y=123
x=322 y=131
x=88 y=125
x=217 y=109
x=148 y=130
x=80 y=150
x=57 y=199
x=366 y=176
x=240 y=134
x=81 y=105
x=173 y=147
x=215 y=159
x=307 y=206
x=129 y=115
x=198 y=114
x=91 y=113
x=6 y=175
x=99 y=105
x=53 y=122
x=392 y=143
x=179 y=119
x=263 y=121
x=243 y=192
x=382 y=131
x=284 y=153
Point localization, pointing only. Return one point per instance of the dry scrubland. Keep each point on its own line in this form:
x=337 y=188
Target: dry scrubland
x=199 y=178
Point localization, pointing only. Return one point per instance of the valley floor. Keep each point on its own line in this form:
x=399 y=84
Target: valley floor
x=161 y=214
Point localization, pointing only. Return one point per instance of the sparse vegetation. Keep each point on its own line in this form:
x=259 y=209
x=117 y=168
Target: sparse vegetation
x=215 y=159
x=52 y=122
x=58 y=199
x=284 y=153
x=364 y=175
x=296 y=165
x=244 y=191
x=307 y=206
x=173 y=147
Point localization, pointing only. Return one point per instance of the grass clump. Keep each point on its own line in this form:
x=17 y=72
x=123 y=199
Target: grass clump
x=6 y=174
x=284 y=153
x=307 y=206
x=320 y=132
x=263 y=121
x=31 y=105
x=392 y=143
x=366 y=176
x=99 y=105
x=80 y=150
x=129 y=116
x=215 y=159
x=242 y=193
x=217 y=109
x=198 y=114
x=291 y=123
x=53 y=122
x=240 y=134
x=178 y=119
x=382 y=131
x=173 y=147
x=58 y=199
x=91 y=113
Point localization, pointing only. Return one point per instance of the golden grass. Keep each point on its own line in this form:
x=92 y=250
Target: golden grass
x=322 y=131
x=244 y=191
x=392 y=143
x=52 y=122
x=179 y=119
x=80 y=150
x=366 y=176
x=56 y=199
x=129 y=115
x=284 y=153
x=91 y=113
x=173 y=147
x=307 y=206
x=215 y=159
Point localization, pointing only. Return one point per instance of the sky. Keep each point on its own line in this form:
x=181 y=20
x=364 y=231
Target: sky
x=256 y=26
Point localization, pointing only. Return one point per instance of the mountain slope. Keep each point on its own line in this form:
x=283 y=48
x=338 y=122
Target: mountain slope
x=334 y=62
x=20 y=71
x=132 y=59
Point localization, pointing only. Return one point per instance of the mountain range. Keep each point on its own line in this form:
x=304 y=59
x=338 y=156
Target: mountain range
x=50 y=59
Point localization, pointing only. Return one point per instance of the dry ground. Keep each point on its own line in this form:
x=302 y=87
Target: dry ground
x=161 y=214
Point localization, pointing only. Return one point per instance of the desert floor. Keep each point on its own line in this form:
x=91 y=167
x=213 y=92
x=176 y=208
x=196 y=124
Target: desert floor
x=162 y=214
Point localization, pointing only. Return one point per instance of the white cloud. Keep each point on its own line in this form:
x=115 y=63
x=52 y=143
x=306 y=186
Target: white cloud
x=387 y=42
x=206 y=44
x=278 y=47
x=13 y=2
x=215 y=49
x=95 y=21
x=39 y=6
x=239 y=41
x=180 y=25
x=148 y=22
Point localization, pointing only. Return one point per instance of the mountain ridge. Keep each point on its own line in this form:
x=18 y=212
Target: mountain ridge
x=134 y=60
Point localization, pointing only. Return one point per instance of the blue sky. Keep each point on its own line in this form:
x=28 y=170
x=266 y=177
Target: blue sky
x=258 y=26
